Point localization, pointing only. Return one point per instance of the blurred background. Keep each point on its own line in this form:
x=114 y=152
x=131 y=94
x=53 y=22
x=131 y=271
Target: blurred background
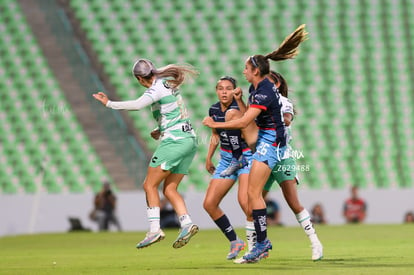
x=352 y=85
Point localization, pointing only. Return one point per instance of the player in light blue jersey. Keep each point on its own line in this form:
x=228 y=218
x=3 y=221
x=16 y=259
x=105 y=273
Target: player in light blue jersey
x=176 y=151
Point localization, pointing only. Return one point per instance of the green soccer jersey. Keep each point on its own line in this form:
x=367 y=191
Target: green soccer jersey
x=169 y=110
x=167 y=107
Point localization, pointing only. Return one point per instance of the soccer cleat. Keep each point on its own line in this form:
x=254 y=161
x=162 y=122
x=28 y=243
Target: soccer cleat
x=317 y=251
x=241 y=260
x=235 y=248
x=150 y=238
x=258 y=251
x=185 y=235
x=235 y=164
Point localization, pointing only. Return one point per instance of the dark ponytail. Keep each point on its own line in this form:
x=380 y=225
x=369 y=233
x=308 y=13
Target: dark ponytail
x=287 y=49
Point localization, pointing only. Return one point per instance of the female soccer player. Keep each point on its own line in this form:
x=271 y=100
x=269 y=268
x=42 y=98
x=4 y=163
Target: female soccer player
x=176 y=151
x=232 y=146
x=265 y=108
x=285 y=172
x=286 y=175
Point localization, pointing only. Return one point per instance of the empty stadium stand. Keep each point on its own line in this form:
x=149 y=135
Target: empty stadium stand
x=42 y=145
x=351 y=84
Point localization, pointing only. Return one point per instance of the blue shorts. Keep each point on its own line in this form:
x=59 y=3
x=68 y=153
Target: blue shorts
x=269 y=152
x=225 y=159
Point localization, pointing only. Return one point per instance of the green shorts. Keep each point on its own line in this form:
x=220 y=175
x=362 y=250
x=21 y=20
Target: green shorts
x=175 y=155
x=283 y=170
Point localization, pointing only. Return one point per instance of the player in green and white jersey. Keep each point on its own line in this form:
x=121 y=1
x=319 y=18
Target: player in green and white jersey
x=176 y=151
x=285 y=173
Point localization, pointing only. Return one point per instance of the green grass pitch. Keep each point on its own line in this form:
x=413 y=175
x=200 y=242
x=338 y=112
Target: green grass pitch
x=348 y=249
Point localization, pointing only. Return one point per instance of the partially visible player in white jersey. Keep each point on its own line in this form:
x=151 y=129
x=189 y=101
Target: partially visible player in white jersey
x=287 y=105
x=285 y=173
x=176 y=151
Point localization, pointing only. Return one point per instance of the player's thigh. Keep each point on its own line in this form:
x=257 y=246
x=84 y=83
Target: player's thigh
x=259 y=173
x=155 y=175
x=224 y=163
x=217 y=190
x=249 y=134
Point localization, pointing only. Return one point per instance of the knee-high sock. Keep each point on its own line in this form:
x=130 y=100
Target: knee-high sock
x=259 y=217
x=153 y=214
x=235 y=142
x=305 y=221
x=224 y=224
x=250 y=235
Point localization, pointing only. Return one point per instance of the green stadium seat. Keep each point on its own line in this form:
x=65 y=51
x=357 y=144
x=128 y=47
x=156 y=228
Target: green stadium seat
x=40 y=124
x=332 y=79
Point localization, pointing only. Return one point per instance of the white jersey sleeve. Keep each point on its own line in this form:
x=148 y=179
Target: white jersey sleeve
x=137 y=104
x=150 y=96
x=287 y=106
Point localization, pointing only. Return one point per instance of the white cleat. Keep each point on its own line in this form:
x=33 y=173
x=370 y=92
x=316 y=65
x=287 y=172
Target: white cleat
x=317 y=251
x=242 y=260
x=151 y=238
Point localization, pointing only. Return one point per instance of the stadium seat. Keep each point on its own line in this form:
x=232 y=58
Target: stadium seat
x=46 y=122
x=351 y=82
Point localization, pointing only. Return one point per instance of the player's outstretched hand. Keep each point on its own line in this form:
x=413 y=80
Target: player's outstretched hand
x=101 y=97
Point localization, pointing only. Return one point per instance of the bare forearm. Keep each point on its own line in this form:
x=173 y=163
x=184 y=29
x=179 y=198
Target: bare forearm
x=233 y=124
x=214 y=141
x=242 y=105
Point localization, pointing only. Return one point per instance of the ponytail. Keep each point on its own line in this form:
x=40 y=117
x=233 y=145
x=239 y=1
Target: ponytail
x=176 y=74
x=287 y=49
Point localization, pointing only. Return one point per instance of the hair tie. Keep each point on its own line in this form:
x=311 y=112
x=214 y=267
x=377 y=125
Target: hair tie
x=253 y=61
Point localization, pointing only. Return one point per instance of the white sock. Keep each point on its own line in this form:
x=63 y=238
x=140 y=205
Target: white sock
x=153 y=214
x=305 y=221
x=250 y=235
x=185 y=220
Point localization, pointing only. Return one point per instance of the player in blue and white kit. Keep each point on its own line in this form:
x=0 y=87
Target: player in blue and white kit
x=229 y=106
x=265 y=108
